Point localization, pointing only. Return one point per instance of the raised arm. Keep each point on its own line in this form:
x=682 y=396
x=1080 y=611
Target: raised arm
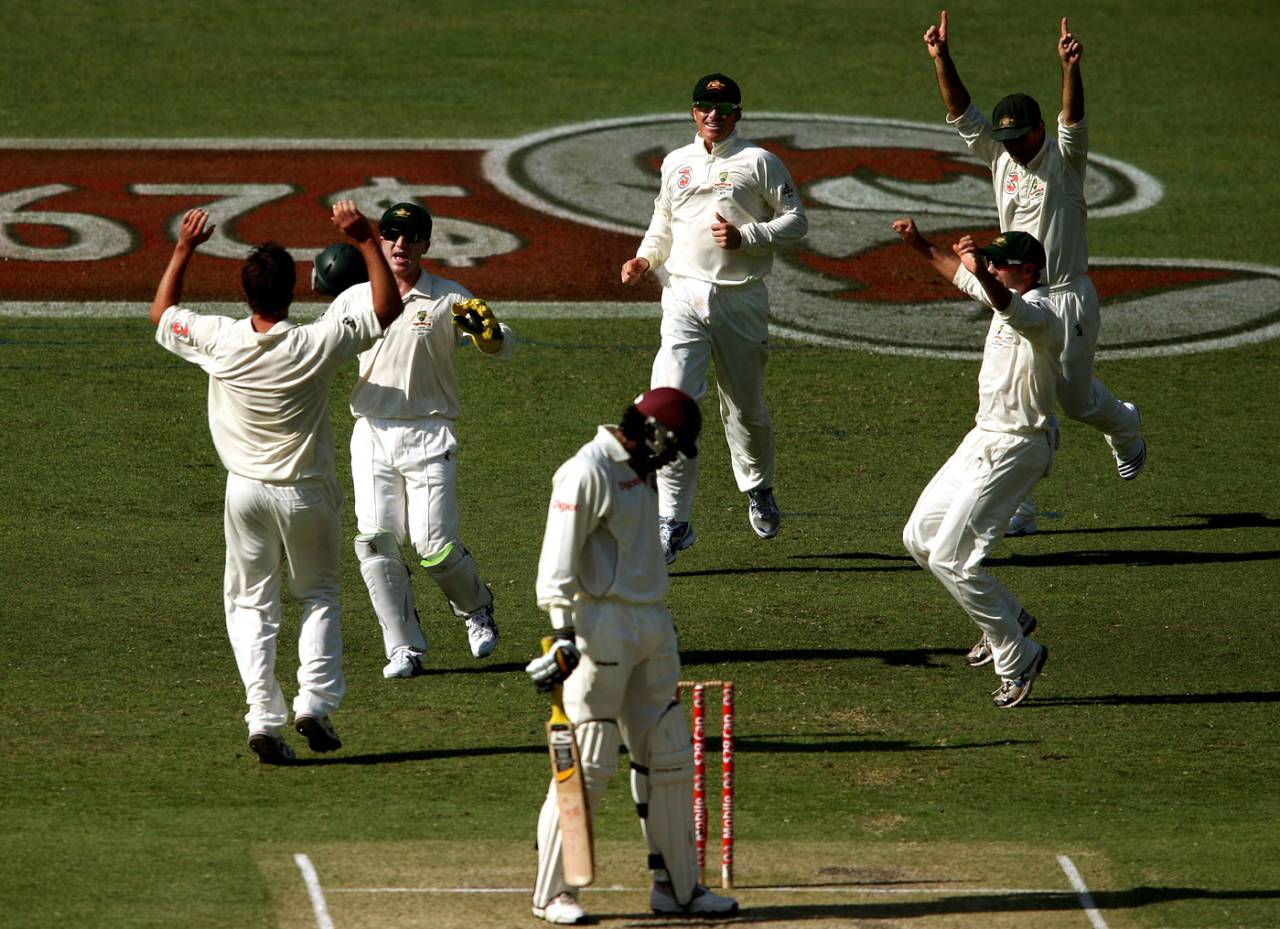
x=955 y=97
x=999 y=295
x=1069 y=52
x=387 y=305
x=945 y=263
x=192 y=231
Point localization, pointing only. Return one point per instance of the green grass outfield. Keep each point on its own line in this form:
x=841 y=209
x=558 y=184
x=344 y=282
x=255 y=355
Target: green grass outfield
x=875 y=781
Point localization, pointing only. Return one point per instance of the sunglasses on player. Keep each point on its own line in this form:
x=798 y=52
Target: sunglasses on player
x=721 y=109
x=410 y=238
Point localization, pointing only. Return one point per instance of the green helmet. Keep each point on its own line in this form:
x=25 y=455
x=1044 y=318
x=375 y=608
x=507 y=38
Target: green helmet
x=337 y=268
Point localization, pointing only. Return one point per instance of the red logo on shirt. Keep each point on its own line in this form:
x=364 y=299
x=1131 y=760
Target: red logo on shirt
x=685 y=175
x=634 y=482
x=1011 y=185
x=564 y=507
x=181 y=330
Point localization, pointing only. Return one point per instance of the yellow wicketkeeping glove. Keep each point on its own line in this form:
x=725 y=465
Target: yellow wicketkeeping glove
x=474 y=317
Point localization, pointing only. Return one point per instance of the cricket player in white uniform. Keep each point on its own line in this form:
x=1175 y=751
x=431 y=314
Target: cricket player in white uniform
x=602 y=578
x=724 y=207
x=269 y=418
x=964 y=510
x=1039 y=189
x=404 y=453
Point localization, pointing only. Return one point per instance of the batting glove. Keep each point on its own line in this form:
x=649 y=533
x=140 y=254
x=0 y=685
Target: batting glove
x=474 y=317
x=548 y=671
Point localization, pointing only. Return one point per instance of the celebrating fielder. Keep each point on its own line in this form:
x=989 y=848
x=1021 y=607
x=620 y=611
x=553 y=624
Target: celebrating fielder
x=404 y=453
x=269 y=417
x=602 y=579
x=724 y=207
x=1039 y=189
x=963 y=511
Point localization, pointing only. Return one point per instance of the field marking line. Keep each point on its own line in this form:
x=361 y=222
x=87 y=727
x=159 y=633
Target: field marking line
x=1082 y=891
x=807 y=888
x=315 y=891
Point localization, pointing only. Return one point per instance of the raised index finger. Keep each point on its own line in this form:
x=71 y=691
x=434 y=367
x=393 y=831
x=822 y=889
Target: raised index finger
x=942 y=26
x=1064 y=27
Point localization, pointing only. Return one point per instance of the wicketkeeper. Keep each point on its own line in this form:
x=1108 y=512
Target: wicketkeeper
x=602 y=578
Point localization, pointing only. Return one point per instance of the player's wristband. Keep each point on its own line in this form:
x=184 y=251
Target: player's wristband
x=561 y=618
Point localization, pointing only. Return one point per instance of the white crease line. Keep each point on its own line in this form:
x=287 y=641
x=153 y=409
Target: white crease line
x=1082 y=891
x=814 y=888
x=315 y=891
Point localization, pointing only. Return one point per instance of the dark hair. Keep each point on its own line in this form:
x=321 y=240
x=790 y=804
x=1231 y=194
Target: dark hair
x=268 y=277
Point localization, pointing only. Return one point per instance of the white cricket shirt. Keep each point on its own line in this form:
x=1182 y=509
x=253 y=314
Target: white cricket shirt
x=748 y=186
x=1018 y=380
x=601 y=539
x=1045 y=198
x=409 y=373
x=269 y=391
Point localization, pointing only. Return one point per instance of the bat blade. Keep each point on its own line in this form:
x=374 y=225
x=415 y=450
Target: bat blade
x=578 y=854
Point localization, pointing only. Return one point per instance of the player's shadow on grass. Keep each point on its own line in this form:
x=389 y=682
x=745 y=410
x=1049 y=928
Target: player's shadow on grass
x=1240 y=696
x=770 y=742
x=893 y=657
x=903 y=562
x=956 y=904
x=1131 y=557
x=1208 y=521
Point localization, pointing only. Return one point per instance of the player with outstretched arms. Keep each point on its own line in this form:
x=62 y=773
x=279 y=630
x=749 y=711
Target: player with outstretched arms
x=1038 y=181
x=602 y=579
x=269 y=417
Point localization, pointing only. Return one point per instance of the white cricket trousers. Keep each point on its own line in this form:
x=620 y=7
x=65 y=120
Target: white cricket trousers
x=961 y=515
x=405 y=474
x=1083 y=397
x=301 y=521
x=701 y=322
x=628 y=675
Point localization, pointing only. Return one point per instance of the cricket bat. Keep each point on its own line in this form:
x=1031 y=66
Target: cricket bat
x=578 y=851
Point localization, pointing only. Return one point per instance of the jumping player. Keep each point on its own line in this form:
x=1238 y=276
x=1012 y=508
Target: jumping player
x=963 y=511
x=602 y=579
x=1039 y=189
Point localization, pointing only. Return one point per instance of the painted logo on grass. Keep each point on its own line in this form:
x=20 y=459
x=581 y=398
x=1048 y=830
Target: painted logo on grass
x=98 y=224
x=853 y=282
x=551 y=217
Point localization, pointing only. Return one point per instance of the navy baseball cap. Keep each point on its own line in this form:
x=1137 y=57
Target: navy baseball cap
x=1015 y=248
x=717 y=88
x=408 y=219
x=1014 y=117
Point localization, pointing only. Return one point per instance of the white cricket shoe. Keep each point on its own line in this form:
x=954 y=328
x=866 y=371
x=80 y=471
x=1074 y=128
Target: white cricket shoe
x=981 y=653
x=1024 y=519
x=763 y=512
x=562 y=911
x=674 y=536
x=1131 y=466
x=482 y=632
x=1013 y=691
x=404 y=663
x=663 y=900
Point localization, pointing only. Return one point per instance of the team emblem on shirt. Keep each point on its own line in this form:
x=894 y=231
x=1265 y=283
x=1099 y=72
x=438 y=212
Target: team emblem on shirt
x=422 y=322
x=684 y=175
x=723 y=182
